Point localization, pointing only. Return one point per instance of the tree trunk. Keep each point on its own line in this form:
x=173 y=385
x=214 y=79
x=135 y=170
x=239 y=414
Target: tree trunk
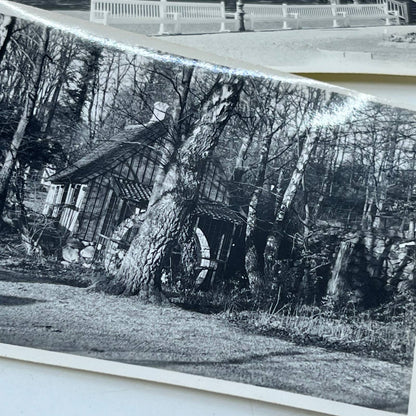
x=176 y=130
x=254 y=273
x=338 y=285
x=89 y=71
x=367 y=219
x=8 y=24
x=251 y=256
x=325 y=185
x=27 y=237
x=386 y=174
x=189 y=257
x=64 y=62
x=276 y=235
x=173 y=199
x=235 y=188
x=29 y=106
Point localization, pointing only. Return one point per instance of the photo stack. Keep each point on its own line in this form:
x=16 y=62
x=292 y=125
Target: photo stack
x=201 y=219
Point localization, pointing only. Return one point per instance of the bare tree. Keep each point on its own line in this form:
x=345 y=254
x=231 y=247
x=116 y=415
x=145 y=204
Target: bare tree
x=269 y=122
x=315 y=102
x=32 y=92
x=173 y=199
x=7 y=25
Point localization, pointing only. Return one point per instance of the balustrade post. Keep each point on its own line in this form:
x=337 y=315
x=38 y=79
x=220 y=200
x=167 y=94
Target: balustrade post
x=334 y=13
x=105 y=17
x=223 y=17
x=92 y=10
x=240 y=16
x=386 y=11
x=176 y=18
x=162 y=16
x=285 y=14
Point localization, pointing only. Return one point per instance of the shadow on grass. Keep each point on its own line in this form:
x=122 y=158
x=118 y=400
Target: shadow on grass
x=231 y=361
x=22 y=277
x=17 y=301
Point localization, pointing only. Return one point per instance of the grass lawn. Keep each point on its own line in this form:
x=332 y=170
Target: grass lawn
x=70 y=319
x=44 y=305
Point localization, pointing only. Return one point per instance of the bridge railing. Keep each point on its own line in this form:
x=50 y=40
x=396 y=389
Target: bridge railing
x=312 y=12
x=124 y=11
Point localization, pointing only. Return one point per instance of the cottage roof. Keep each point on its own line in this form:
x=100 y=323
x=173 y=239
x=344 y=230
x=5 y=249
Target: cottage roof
x=119 y=148
x=217 y=211
x=139 y=193
x=132 y=190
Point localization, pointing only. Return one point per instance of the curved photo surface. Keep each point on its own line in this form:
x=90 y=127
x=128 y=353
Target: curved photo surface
x=169 y=213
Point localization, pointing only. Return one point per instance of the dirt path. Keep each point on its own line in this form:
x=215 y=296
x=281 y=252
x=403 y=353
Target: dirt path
x=69 y=319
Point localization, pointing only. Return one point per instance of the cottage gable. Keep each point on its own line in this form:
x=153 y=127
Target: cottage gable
x=94 y=197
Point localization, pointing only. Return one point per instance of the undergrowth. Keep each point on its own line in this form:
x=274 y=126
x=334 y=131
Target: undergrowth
x=387 y=333
x=17 y=265
x=391 y=339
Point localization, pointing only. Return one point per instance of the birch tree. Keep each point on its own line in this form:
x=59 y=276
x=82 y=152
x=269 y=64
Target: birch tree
x=315 y=103
x=269 y=121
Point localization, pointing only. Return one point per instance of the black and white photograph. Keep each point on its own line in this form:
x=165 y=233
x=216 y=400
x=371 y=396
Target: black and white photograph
x=165 y=213
x=299 y=36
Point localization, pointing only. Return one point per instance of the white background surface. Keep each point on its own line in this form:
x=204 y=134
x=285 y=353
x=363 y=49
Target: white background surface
x=39 y=390
x=399 y=90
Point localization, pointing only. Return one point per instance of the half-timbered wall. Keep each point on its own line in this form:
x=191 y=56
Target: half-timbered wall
x=96 y=204
x=94 y=208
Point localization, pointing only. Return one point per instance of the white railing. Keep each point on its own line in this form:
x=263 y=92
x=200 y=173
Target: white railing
x=363 y=11
x=397 y=7
x=264 y=10
x=126 y=11
x=161 y=12
x=338 y=14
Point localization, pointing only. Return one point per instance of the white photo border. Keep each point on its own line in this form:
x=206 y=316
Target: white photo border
x=195 y=382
